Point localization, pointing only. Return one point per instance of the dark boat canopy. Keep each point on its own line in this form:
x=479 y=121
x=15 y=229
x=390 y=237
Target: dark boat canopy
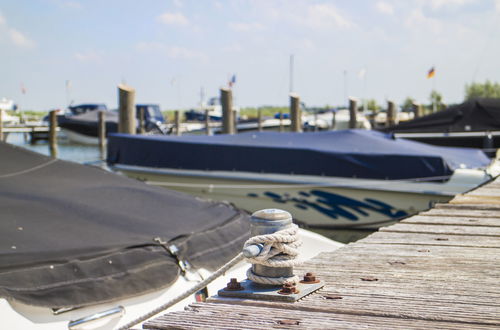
x=347 y=153
x=74 y=235
x=475 y=115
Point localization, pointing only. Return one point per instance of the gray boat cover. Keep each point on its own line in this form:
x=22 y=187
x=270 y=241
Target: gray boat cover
x=347 y=153
x=74 y=235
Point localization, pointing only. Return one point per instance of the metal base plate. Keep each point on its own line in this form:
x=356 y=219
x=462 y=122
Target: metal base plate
x=269 y=292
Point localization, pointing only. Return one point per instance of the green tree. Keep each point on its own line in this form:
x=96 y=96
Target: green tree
x=372 y=105
x=487 y=89
x=408 y=104
x=436 y=101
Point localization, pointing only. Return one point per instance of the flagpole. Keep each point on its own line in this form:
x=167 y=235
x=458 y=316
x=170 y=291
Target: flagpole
x=291 y=73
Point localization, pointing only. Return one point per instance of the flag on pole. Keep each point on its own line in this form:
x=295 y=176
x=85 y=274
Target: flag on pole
x=232 y=81
x=431 y=73
x=23 y=89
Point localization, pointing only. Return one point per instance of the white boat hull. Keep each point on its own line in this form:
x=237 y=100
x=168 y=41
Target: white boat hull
x=16 y=315
x=314 y=201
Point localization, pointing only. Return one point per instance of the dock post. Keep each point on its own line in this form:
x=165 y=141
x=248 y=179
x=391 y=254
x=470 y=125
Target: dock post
x=126 y=106
x=295 y=113
x=334 y=120
x=282 y=128
x=353 y=112
x=207 y=122
x=102 y=133
x=142 y=121
x=259 y=119
x=417 y=110
x=1 y=124
x=53 y=133
x=226 y=100
x=235 y=121
x=391 y=113
x=177 y=119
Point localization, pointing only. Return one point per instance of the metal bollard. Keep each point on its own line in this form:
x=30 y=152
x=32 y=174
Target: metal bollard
x=263 y=222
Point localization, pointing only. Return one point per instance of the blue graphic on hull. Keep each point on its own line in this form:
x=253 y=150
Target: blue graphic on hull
x=334 y=205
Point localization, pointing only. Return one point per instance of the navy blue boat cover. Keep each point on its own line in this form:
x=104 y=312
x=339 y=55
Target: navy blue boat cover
x=346 y=153
x=74 y=235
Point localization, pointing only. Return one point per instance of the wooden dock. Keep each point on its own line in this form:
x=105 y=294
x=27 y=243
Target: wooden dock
x=439 y=269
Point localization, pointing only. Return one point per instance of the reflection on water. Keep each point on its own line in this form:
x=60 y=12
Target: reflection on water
x=87 y=154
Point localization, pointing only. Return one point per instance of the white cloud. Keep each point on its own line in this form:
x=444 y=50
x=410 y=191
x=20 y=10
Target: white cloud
x=174 y=52
x=246 y=27
x=178 y=3
x=325 y=16
x=438 y=4
x=20 y=39
x=88 y=56
x=497 y=5
x=418 y=21
x=72 y=4
x=233 y=48
x=385 y=8
x=2 y=20
x=173 y=19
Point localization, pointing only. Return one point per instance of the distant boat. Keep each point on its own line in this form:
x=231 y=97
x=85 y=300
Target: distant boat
x=335 y=179
x=82 y=127
x=474 y=123
x=77 y=241
x=214 y=108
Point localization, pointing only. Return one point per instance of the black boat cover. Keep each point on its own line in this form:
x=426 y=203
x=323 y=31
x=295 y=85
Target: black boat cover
x=347 y=153
x=87 y=123
x=74 y=235
x=476 y=115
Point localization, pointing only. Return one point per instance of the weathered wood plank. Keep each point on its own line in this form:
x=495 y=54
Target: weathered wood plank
x=460 y=212
x=432 y=239
x=443 y=229
x=476 y=199
x=225 y=316
x=476 y=207
x=459 y=221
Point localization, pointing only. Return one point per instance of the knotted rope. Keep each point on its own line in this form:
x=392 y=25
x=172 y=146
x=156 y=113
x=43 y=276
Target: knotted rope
x=279 y=250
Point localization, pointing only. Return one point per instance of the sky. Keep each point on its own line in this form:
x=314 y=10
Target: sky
x=54 y=52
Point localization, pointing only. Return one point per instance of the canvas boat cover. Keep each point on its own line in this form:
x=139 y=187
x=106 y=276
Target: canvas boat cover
x=75 y=235
x=476 y=115
x=87 y=123
x=346 y=153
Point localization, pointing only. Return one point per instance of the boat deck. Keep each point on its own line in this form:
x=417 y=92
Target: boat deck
x=438 y=269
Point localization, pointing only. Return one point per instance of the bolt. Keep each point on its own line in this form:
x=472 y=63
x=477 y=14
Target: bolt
x=309 y=278
x=288 y=288
x=234 y=285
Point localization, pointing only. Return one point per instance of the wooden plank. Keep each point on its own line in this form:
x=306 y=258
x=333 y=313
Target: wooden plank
x=443 y=229
x=225 y=316
x=462 y=212
x=476 y=199
x=432 y=239
x=463 y=206
x=459 y=221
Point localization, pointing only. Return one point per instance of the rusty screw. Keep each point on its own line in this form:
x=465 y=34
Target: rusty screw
x=288 y=288
x=234 y=285
x=310 y=278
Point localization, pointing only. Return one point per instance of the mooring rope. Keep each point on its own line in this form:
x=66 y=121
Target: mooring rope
x=279 y=250
x=186 y=293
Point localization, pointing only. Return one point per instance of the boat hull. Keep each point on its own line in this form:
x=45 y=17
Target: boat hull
x=349 y=204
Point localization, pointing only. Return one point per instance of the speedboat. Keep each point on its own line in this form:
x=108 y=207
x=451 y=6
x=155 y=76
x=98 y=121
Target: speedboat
x=331 y=179
x=82 y=127
x=81 y=247
x=474 y=123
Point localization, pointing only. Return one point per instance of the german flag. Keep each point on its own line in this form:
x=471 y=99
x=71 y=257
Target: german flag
x=431 y=73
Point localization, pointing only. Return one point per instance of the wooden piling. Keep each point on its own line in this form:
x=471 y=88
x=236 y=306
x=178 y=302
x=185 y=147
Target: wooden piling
x=282 y=128
x=235 y=121
x=126 y=106
x=226 y=100
x=142 y=121
x=1 y=125
x=177 y=119
x=391 y=114
x=102 y=132
x=295 y=113
x=417 y=110
x=353 y=111
x=334 y=120
x=207 y=122
x=259 y=119
x=53 y=133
